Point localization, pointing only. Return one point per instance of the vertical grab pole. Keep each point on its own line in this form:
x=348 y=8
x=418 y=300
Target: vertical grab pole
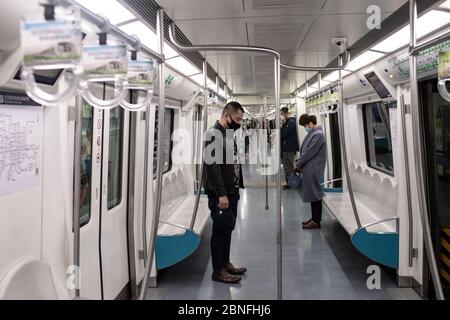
x=278 y=182
x=418 y=149
x=408 y=180
x=265 y=157
x=145 y=186
x=160 y=156
x=205 y=127
x=76 y=193
x=344 y=147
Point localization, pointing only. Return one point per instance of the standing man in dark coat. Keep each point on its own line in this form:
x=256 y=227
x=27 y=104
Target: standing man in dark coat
x=222 y=181
x=289 y=143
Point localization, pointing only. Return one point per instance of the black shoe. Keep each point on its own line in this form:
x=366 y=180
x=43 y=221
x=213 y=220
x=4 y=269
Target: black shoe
x=306 y=222
x=312 y=225
x=235 y=271
x=225 y=277
x=286 y=187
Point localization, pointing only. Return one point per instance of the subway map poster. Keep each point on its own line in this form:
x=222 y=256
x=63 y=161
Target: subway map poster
x=21 y=124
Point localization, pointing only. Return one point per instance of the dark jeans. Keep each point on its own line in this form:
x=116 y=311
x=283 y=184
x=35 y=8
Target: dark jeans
x=288 y=164
x=224 y=221
x=316 y=210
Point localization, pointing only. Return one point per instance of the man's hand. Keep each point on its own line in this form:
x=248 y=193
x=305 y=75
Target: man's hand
x=298 y=170
x=223 y=202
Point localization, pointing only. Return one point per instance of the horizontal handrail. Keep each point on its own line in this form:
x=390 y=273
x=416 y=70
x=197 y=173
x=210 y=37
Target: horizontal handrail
x=319 y=69
x=330 y=181
x=418 y=48
x=112 y=29
x=227 y=47
x=174 y=225
x=219 y=47
x=378 y=222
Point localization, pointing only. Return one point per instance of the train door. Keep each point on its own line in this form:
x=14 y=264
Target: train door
x=103 y=204
x=91 y=150
x=113 y=226
x=436 y=124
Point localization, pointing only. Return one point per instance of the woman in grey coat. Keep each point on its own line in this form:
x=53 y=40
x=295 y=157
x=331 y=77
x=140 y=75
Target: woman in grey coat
x=312 y=161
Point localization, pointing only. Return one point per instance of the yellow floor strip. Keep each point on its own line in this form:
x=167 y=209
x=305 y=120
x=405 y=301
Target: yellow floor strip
x=445 y=275
x=445 y=244
x=446 y=231
x=445 y=259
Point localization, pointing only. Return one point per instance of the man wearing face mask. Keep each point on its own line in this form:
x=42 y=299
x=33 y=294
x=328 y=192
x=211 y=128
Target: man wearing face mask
x=289 y=143
x=222 y=181
x=311 y=163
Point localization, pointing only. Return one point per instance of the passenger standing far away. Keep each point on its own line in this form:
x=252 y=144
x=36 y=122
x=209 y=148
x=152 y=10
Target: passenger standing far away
x=222 y=182
x=311 y=163
x=289 y=143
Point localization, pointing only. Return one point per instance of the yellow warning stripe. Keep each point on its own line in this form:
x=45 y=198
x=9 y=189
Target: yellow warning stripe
x=445 y=259
x=445 y=275
x=445 y=244
x=446 y=231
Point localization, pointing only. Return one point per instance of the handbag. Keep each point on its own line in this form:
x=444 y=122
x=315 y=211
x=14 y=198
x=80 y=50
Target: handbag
x=295 y=180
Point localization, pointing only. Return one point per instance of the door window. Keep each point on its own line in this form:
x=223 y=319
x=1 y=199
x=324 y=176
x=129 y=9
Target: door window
x=86 y=163
x=378 y=136
x=115 y=157
x=168 y=130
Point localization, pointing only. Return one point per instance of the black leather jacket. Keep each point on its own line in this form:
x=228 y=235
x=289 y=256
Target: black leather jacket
x=289 y=138
x=219 y=178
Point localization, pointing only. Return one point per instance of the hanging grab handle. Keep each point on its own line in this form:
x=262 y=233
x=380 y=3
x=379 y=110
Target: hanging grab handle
x=138 y=106
x=139 y=73
x=119 y=94
x=45 y=98
x=444 y=74
x=442 y=87
x=112 y=74
x=51 y=44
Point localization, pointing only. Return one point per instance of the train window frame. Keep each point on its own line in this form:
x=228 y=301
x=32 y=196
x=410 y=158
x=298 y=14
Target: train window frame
x=167 y=137
x=370 y=148
x=120 y=162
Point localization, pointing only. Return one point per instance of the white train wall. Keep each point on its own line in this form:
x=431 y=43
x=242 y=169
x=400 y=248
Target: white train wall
x=43 y=213
x=358 y=92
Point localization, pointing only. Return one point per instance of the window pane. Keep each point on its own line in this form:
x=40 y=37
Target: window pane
x=168 y=130
x=86 y=163
x=378 y=136
x=115 y=157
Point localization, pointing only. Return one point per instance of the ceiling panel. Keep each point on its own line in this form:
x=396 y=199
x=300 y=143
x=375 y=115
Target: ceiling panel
x=279 y=36
x=360 y=6
x=214 y=31
x=229 y=64
x=352 y=26
x=313 y=58
x=200 y=9
x=301 y=29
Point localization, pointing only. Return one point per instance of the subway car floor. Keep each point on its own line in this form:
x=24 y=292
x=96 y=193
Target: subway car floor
x=317 y=264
